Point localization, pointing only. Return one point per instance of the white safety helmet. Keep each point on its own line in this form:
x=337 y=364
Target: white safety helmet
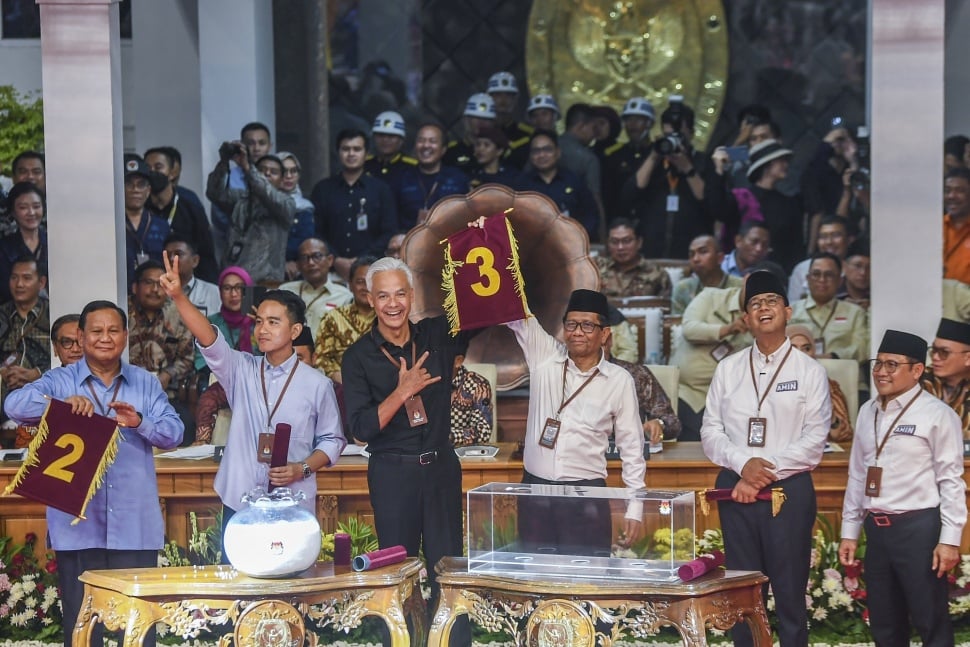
x=480 y=105
x=544 y=101
x=639 y=106
x=389 y=123
x=502 y=82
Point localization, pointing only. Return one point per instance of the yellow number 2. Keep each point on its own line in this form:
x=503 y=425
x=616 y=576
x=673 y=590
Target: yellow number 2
x=491 y=279
x=57 y=468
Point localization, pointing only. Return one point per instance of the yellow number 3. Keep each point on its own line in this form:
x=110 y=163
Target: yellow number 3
x=491 y=279
x=57 y=468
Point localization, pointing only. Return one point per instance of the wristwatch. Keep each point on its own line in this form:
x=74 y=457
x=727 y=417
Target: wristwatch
x=306 y=471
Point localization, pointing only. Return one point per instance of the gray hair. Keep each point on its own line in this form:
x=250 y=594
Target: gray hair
x=388 y=264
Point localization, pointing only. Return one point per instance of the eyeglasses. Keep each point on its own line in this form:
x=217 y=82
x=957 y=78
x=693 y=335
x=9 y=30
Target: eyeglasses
x=67 y=343
x=819 y=275
x=138 y=184
x=944 y=353
x=890 y=365
x=291 y=171
x=228 y=289
x=151 y=283
x=315 y=257
x=766 y=302
x=586 y=326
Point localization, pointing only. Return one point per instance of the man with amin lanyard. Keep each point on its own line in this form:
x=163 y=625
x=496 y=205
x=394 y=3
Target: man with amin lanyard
x=906 y=489
x=765 y=422
x=263 y=393
x=124 y=527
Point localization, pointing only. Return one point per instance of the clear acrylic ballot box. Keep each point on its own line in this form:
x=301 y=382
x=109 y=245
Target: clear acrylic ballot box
x=578 y=531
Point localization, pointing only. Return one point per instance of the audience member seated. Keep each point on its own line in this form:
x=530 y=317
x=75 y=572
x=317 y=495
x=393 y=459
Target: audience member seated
x=186 y=218
x=834 y=237
x=841 y=429
x=66 y=340
x=236 y=326
x=158 y=341
x=855 y=288
x=667 y=193
x=318 y=292
x=545 y=175
x=145 y=233
x=752 y=244
x=491 y=145
x=783 y=215
x=343 y=326
x=354 y=212
x=203 y=294
x=29 y=238
x=840 y=330
x=949 y=376
x=621 y=160
x=956 y=300
x=388 y=161
x=956 y=225
x=504 y=91
x=214 y=399
x=624 y=337
x=624 y=272
x=28 y=166
x=705 y=258
x=261 y=214
x=25 y=350
x=471 y=406
x=304 y=223
x=659 y=420
x=422 y=185
x=479 y=114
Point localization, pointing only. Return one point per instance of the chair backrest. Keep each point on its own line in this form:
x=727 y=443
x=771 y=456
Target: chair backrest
x=669 y=378
x=846 y=373
x=490 y=373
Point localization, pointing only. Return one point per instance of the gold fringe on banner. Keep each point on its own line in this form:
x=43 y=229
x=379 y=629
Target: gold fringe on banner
x=31 y=459
x=703 y=503
x=778 y=499
x=448 y=285
x=513 y=266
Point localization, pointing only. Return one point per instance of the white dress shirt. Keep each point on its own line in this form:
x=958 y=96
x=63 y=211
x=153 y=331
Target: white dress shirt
x=607 y=405
x=798 y=411
x=319 y=301
x=922 y=464
x=204 y=296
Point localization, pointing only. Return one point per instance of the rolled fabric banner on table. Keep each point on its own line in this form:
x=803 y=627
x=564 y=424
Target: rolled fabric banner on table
x=703 y=564
x=341 y=549
x=378 y=558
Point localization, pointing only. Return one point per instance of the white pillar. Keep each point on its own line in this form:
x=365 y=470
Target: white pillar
x=906 y=88
x=167 y=96
x=236 y=71
x=81 y=52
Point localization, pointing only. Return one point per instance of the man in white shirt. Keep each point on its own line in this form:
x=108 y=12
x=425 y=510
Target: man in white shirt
x=765 y=422
x=906 y=489
x=319 y=293
x=203 y=295
x=577 y=398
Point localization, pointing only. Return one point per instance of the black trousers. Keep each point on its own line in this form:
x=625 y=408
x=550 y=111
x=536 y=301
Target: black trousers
x=903 y=592
x=419 y=506
x=566 y=526
x=780 y=547
x=690 y=421
x=70 y=565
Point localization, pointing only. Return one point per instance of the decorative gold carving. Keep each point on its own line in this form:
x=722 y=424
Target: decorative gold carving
x=270 y=623
x=343 y=613
x=560 y=623
x=188 y=618
x=606 y=51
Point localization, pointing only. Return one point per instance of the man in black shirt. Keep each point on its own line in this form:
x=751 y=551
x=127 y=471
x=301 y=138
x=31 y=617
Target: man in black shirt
x=354 y=212
x=397 y=390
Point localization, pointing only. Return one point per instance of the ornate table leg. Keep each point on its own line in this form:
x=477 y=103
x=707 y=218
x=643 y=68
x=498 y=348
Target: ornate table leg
x=81 y=635
x=444 y=617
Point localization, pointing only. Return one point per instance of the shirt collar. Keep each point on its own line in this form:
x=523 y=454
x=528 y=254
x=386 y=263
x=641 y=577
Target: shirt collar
x=604 y=365
x=283 y=368
x=84 y=372
x=902 y=399
x=774 y=357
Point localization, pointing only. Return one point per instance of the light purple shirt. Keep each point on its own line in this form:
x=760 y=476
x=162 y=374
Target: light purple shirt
x=124 y=513
x=309 y=406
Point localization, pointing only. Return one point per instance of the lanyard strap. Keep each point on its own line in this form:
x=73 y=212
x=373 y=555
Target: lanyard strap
x=114 y=396
x=397 y=365
x=428 y=194
x=316 y=298
x=134 y=232
x=875 y=424
x=754 y=381
x=572 y=397
x=286 y=385
x=822 y=328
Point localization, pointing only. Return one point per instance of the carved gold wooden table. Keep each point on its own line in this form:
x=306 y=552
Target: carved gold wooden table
x=564 y=612
x=260 y=611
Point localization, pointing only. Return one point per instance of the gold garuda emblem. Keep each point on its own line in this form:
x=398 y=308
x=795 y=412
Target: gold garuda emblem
x=607 y=51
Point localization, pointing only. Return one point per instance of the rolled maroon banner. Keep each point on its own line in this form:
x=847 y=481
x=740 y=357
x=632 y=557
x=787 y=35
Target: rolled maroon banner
x=341 y=549
x=703 y=564
x=378 y=558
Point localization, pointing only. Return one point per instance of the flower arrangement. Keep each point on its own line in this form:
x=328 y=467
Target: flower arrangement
x=836 y=594
x=29 y=602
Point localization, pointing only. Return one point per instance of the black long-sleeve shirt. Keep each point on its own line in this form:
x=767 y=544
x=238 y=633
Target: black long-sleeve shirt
x=337 y=210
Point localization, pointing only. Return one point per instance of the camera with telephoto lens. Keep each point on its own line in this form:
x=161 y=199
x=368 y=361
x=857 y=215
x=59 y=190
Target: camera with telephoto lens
x=228 y=150
x=670 y=144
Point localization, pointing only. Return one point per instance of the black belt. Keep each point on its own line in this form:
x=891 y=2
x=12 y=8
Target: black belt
x=885 y=520
x=425 y=458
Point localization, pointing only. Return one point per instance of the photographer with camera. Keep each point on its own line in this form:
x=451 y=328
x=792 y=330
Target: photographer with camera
x=824 y=182
x=261 y=213
x=667 y=192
